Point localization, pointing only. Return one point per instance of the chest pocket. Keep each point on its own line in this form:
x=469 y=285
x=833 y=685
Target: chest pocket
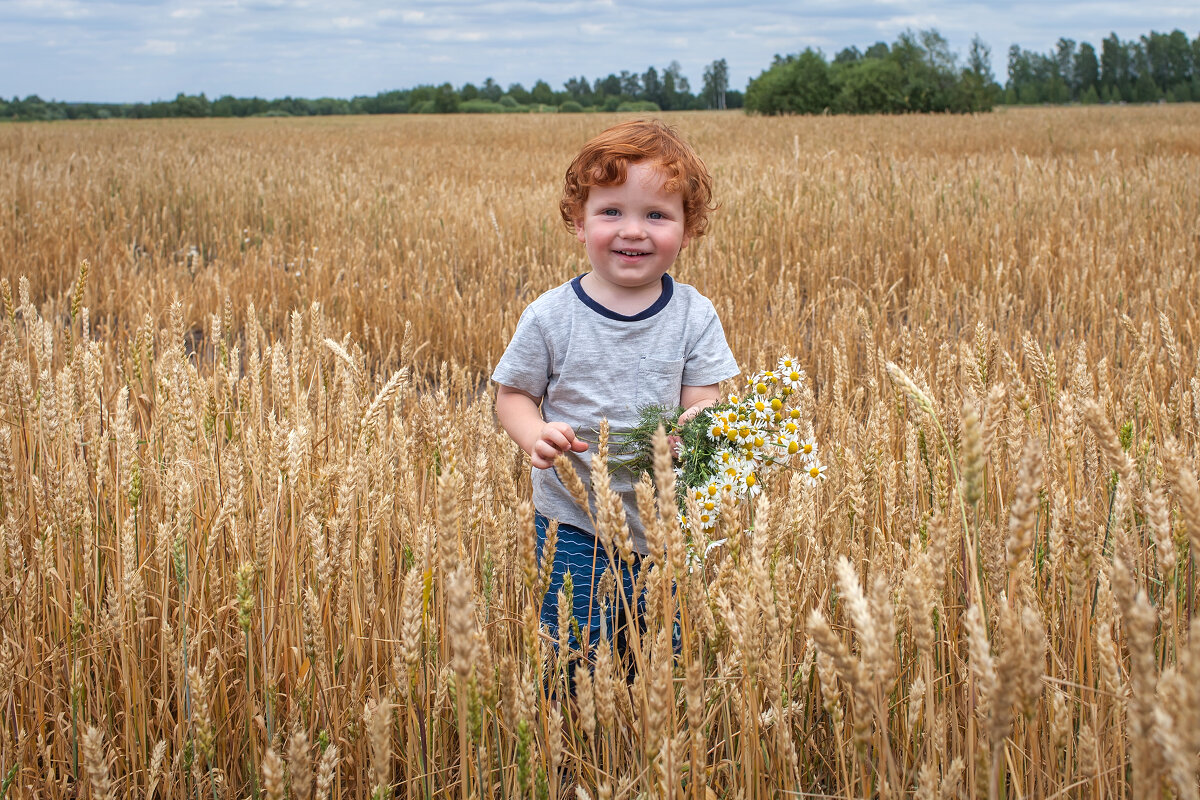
x=659 y=381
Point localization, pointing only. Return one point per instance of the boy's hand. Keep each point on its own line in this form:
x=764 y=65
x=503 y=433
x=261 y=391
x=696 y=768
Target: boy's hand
x=694 y=411
x=687 y=416
x=555 y=438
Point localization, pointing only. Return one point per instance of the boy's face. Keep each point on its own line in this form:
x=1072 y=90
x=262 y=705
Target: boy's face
x=634 y=230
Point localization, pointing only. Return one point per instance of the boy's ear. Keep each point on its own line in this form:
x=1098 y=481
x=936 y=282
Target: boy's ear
x=579 y=231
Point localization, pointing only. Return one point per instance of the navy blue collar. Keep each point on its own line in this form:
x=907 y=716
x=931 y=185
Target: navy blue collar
x=668 y=289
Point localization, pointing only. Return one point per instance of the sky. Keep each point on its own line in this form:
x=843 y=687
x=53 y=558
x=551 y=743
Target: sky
x=143 y=50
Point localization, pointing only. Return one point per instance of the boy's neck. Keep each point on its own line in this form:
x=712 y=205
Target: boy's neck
x=627 y=302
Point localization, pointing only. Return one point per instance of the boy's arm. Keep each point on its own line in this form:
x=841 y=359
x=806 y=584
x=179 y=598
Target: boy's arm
x=695 y=399
x=520 y=416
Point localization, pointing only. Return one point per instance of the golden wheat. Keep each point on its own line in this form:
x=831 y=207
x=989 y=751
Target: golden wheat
x=253 y=500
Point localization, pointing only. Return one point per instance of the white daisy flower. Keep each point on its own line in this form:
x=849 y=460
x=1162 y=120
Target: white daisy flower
x=792 y=378
x=814 y=474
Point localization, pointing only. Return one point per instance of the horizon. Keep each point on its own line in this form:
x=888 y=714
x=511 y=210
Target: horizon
x=126 y=51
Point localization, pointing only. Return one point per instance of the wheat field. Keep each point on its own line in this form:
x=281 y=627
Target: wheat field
x=262 y=536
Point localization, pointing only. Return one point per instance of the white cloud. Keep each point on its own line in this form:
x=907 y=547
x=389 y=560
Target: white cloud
x=158 y=47
x=453 y=35
x=51 y=9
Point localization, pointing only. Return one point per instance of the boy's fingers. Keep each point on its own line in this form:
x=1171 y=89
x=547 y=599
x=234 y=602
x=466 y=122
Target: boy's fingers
x=543 y=454
x=579 y=445
x=693 y=412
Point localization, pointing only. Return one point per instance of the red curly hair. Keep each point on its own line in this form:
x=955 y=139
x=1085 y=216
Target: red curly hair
x=604 y=161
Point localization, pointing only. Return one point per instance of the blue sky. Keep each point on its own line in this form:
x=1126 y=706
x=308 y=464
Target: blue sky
x=140 y=50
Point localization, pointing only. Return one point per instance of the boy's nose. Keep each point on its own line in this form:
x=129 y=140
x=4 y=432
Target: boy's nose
x=633 y=229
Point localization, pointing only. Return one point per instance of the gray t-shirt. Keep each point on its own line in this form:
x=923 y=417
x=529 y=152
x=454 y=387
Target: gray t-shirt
x=587 y=362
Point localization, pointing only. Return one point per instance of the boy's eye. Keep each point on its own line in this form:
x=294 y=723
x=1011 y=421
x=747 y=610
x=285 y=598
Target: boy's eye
x=610 y=212
x=655 y=215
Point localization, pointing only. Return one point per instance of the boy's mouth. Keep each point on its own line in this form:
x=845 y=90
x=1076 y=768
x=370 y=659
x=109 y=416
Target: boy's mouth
x=631 y=253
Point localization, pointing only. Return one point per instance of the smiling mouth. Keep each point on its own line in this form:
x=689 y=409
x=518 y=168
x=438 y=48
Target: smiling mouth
x=632 y=253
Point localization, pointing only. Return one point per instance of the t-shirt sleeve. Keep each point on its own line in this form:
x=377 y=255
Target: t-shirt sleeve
x=709 y=359
x=526 y=363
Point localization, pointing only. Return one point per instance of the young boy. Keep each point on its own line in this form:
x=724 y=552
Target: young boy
x=612 y=341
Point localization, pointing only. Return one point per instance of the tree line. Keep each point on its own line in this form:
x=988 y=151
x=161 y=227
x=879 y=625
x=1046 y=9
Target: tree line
x=652 y=90
x=919 y=73
x=1158 y=66
x=916 y=73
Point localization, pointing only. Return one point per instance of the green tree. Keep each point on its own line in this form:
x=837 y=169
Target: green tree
x=1195 y=64
x=716 y=83
x=870 y=86
x=928 y=68
x=631 y=84
x=1027 y=75
x=979 y=82
x=652 y=88
x=1114 y=68
x=793 y=85
x=190 y=105
x=877 y=50
x=445 y=99
x=608 y=87
x=1144 y=90
x=848 y=55
x=670 y=95
x=519 y=93
x=1063 y=63
x=979 y=60
x=677 y=92
x=542 y=93
x=1179 y=59
x=579 y=89
x=1086 y=69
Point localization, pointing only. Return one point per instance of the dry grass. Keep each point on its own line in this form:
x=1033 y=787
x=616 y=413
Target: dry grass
x=261 y=532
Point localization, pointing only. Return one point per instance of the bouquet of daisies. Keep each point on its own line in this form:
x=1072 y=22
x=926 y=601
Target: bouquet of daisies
x=726 y=451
